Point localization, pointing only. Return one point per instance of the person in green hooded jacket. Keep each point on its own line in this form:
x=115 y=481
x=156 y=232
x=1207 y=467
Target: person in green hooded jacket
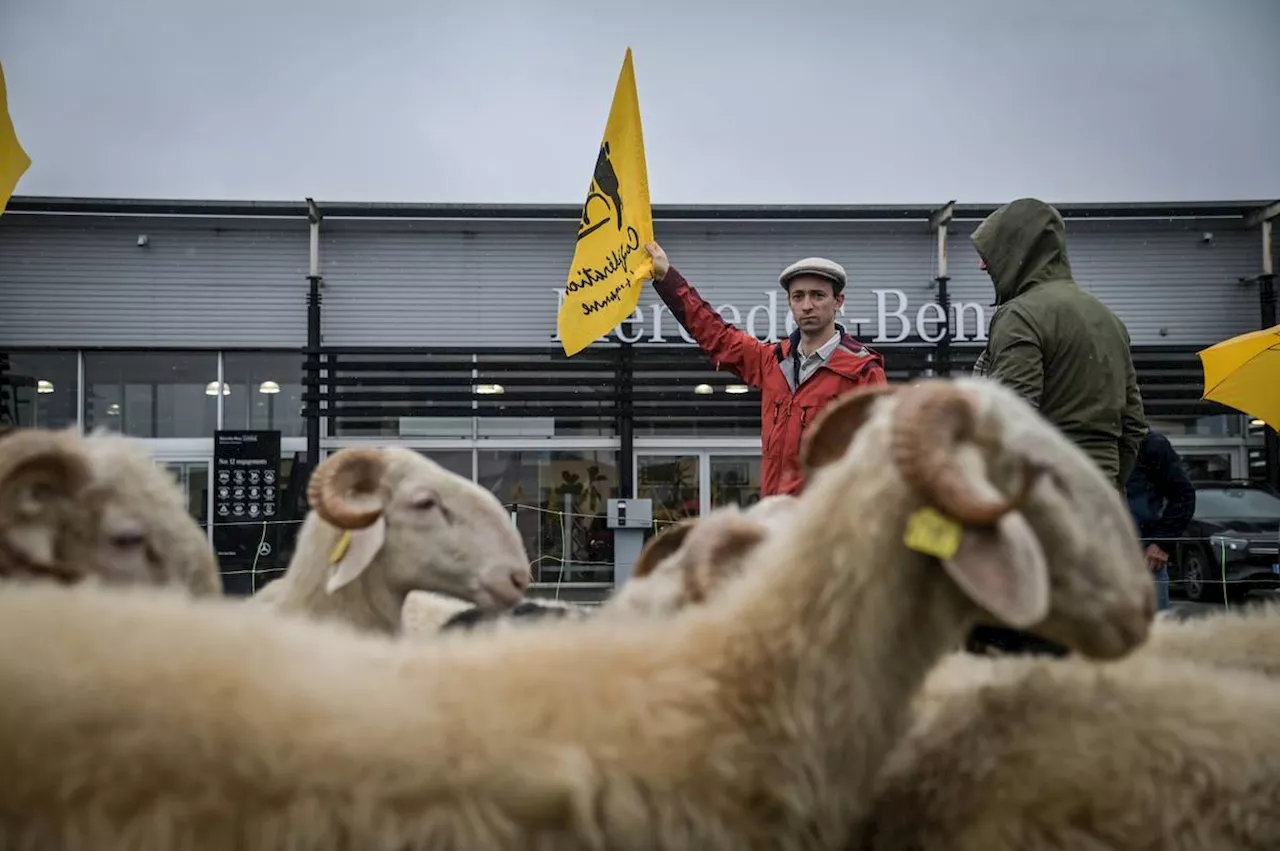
x=1061 y=349
x=1055 y=344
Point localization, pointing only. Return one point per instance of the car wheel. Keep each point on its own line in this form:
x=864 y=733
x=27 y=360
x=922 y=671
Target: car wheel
x=1201 y=577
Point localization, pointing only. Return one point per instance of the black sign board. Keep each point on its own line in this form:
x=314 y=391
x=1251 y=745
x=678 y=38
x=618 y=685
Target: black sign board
x=246 y=494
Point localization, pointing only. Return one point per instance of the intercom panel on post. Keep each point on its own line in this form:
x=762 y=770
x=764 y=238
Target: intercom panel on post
x=629 y=514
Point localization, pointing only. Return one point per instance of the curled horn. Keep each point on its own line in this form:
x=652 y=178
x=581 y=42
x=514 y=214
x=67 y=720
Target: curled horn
x=358 y=469
x=835 y=426
x=932 y=418
x=41 y=476
x=35 y=457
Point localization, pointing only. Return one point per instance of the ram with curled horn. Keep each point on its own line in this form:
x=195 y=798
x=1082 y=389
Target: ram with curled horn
x=388 y=521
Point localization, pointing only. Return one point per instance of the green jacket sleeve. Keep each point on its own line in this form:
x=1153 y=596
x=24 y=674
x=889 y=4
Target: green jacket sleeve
x=1016 y=359
x=1133 y=425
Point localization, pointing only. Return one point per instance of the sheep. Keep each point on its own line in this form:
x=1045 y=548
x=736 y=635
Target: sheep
x=756 y=720
x=950 y=706
x=1026 y=753
x=388 y=521
x=97 y=507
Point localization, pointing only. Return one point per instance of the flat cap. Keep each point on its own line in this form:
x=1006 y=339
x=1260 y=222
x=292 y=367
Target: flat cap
x=820 y=266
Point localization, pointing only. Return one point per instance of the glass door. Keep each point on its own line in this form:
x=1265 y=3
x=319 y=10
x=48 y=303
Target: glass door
x=674 y=483
x=734 y=479
x=193 y=479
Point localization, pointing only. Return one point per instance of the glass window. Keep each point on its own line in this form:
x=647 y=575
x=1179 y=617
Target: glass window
x=671 y=481
x=152 y=394
x=193 y=479
x=452 y=395
x=700 y=404
x=560 y=501
x=38 y=389
x=1236 y=504
x=735 y=479
x=265 y=392
x=454 y=460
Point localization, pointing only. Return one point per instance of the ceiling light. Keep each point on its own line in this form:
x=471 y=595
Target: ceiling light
x=268 y=386
x=43 y=386
x=736 y=388
x=1255 y=422
x=703 y=389
x=211 y=389
x=490 y=389
x=113 y=410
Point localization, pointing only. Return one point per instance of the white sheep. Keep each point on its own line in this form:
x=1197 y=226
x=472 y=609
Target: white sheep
x=98 y=508
x=756 y=720
x=920 y=805
x=1033 y=753
x=385 y=522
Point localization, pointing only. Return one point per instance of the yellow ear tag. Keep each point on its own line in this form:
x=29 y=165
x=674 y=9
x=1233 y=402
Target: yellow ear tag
x=340 y=548
x=932 y=533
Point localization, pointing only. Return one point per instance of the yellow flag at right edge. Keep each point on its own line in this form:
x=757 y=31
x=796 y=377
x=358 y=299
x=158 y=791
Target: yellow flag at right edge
x=14 y=161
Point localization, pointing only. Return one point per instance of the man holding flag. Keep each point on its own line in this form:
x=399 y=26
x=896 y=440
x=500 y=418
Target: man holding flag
x=797 y=377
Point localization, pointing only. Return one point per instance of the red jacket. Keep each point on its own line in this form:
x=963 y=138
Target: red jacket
x=785 y=413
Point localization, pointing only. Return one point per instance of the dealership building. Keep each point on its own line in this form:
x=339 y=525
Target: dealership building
x=433 y=326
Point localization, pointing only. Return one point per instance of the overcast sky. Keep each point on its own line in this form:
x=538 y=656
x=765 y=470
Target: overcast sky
x=914 y=101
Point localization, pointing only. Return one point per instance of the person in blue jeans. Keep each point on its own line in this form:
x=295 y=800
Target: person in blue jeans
x=1162 y=499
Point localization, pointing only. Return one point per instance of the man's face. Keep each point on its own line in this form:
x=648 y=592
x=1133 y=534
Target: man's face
x=813 y=303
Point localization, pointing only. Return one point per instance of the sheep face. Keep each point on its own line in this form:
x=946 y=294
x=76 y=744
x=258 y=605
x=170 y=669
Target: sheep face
x=97 y=508
x=1044 y=539
x=417 y=527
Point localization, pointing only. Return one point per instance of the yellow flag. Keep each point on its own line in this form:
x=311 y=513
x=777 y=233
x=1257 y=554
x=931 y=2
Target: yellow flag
x=610 y=263
x=13 y=160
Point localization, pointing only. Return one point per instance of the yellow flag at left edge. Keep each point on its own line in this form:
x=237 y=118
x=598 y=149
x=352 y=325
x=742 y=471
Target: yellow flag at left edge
x=14 y=161
x=610 y=263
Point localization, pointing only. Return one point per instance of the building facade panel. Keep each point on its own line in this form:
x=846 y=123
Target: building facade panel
x=1169 y=283
x=427 y=283
x=151 y=281
x=500 y=283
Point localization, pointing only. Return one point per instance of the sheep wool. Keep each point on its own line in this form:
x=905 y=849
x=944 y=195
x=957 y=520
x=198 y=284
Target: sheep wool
x=1045 y=755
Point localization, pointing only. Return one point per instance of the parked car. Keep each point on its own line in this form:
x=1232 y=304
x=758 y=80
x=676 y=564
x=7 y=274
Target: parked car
x=1233 y=543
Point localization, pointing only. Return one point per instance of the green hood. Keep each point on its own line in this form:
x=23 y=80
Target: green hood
x=1024 y=243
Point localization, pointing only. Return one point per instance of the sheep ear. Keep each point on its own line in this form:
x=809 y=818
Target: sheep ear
x=722 y=560
x=356 y=555
x=660 y=546
x=835 y=427
x=1003 y=569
